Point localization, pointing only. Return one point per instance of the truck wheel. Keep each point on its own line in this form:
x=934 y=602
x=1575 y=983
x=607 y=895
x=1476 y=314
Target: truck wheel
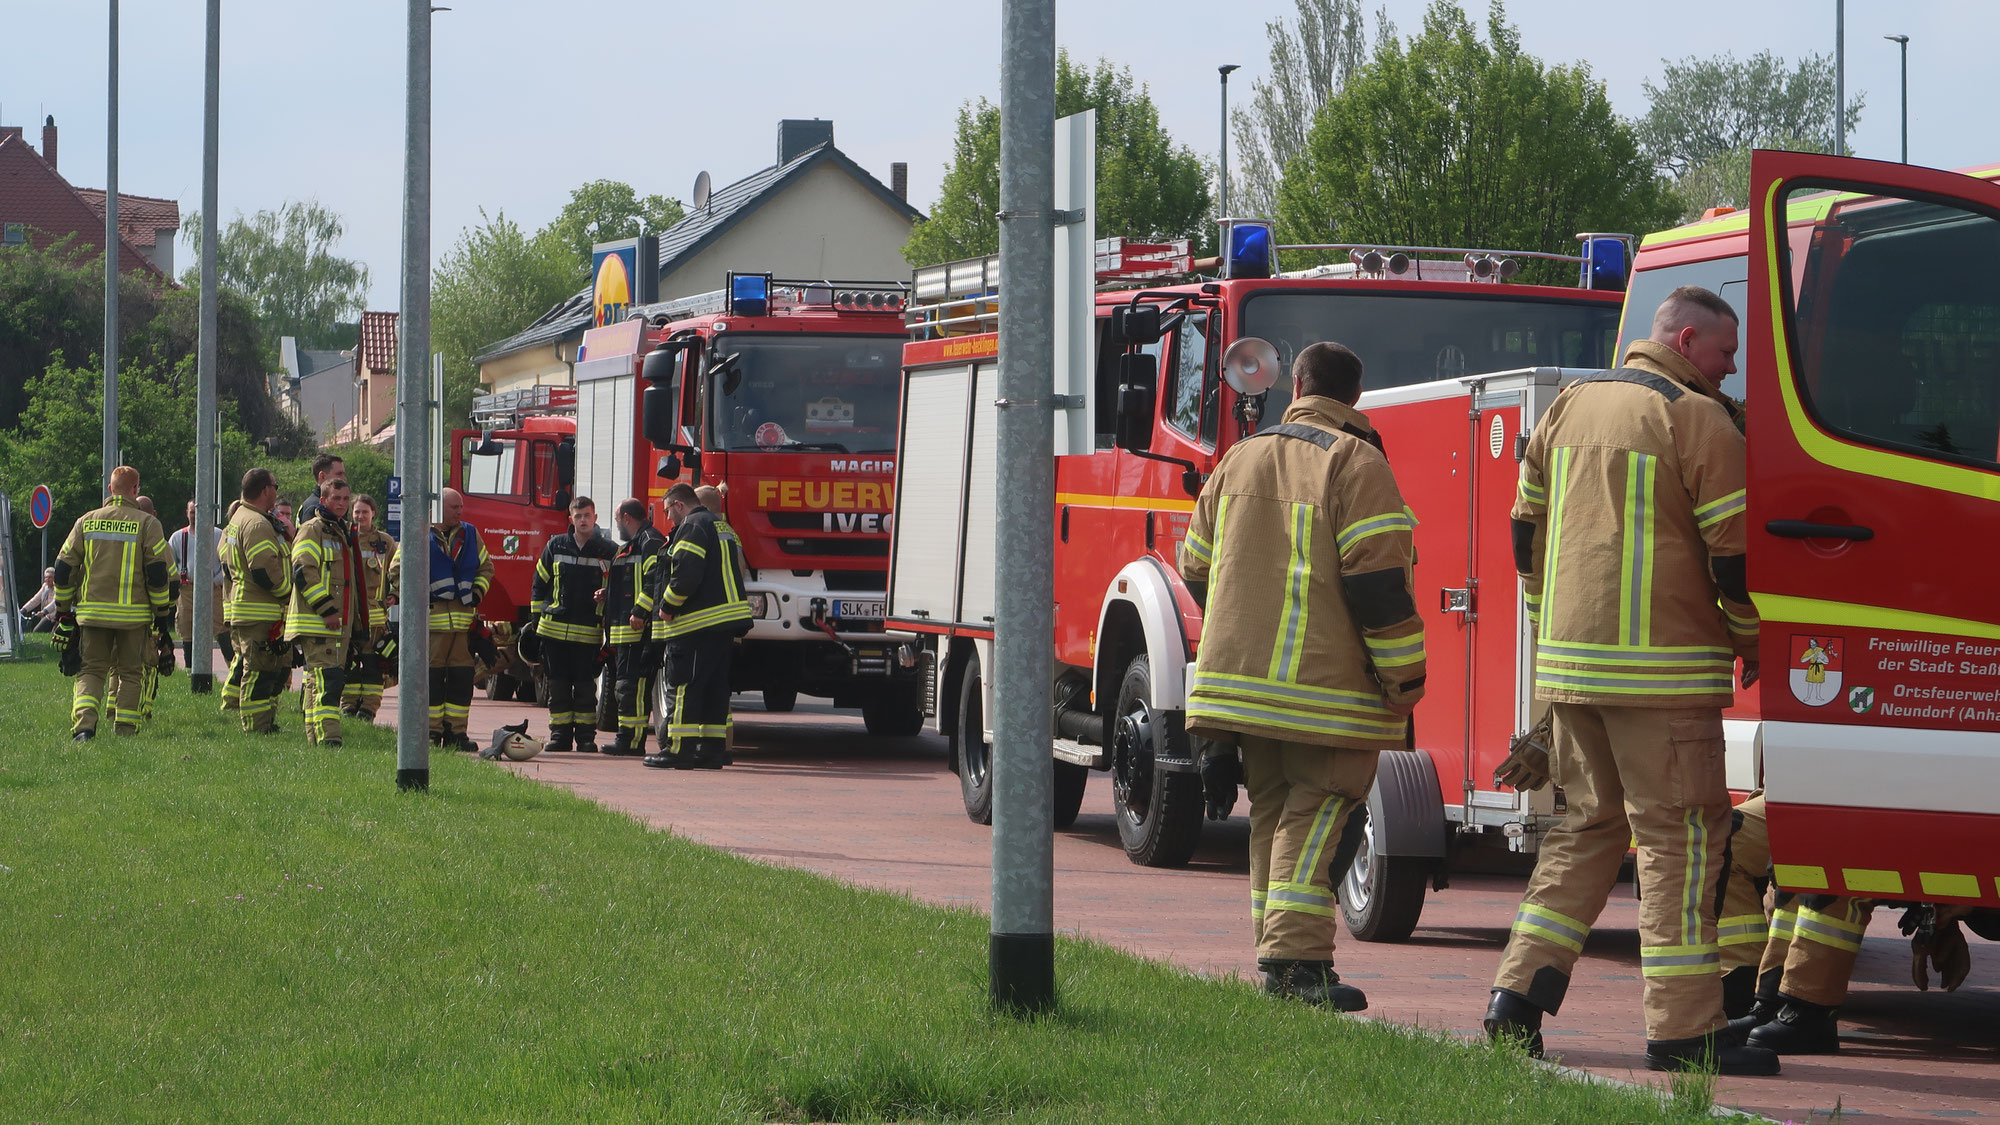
x=893 y=713
x=779 y=700
x=1381 y=896
x=500 y=688
x=974 y=757
x=1159 y=812
x=1070 y=779
x=535 y=689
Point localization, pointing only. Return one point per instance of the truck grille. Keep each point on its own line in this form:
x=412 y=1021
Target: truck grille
x=844 y=547
x=857 y=581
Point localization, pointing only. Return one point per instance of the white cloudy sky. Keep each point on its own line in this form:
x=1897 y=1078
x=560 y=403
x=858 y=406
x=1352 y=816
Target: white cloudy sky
x=536 y=96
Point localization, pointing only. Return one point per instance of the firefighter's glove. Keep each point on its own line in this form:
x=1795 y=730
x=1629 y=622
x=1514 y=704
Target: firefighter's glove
x=1941 y=948
x=1527 y=763
x=1221 y=772
x=69 y=647
x=164 y=664
x=163 y=623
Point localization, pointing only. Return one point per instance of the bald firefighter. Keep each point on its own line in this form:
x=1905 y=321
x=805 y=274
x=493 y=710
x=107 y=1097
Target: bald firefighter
x=255 y=549
x=1312 y=655
x=702 y=611
x=113 y=590
x=326 y=616
x=461 y=572
x=1629 y=537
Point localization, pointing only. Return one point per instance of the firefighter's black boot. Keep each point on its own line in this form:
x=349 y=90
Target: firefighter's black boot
x=1739 y=991
x=1763 y=1006
x=1800 y=1029
x=585 y=735
x=1511 y=1016
x=560 y=739
x=1313 y=982
x=621 y=746
x=1715 y=1051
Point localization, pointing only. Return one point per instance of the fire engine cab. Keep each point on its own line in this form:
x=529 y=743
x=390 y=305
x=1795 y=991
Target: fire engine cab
x=1461 y=358
x=783 y=393
x=516 y=472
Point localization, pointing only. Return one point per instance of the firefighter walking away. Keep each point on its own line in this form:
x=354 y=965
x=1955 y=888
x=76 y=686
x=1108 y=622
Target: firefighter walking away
x=1629 y=537
x=1312 y=657
x=703 y=610
x=113 y=592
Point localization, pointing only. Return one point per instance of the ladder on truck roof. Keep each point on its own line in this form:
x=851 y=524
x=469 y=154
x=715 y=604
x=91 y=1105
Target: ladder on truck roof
x=790 y=293
x=963 y=295
x=506 y=409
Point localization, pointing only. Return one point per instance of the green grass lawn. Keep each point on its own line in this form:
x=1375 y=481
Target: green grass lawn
x=199 y=926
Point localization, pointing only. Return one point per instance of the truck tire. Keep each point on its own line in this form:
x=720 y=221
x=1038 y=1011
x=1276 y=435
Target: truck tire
x=500 y=687
x=779 y=700
x=1381 y=896
x=1070 y=780
x=893 y=713
x=973 y=759
x=1159 y=812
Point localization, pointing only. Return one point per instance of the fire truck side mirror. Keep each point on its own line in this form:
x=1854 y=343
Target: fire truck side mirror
x=566 y=463
x=1136 y=324
x=657 y=421
x=1138 y=387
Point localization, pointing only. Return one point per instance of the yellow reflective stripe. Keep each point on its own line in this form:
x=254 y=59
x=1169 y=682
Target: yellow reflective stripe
x=1281 y=718
x=1231 y=683
x=1799 y=877
x=1635 y=574
x=1696 y=858
x=1396 y=652
x=1590 y=652
x=1679 y=960
x=1784 y=922
x=1302 y=897
x=1285 y=654
x=1869 y=881
x=1830 y=930
x=690 y=547
x=1813 y=611
x=1552 y=926
x=1618 y=683
x=1197 y=547
x=1744 y=626
x=1215 y=576
x=1949 y=886
x=569 y=631
x=1532 y=493
x=706 y=618
x=1715 y=511
x=668 y=596
x=1552 y=544
x=1742 y=929
x=1374 y=525
x=1823 y=447
x=1316 y=841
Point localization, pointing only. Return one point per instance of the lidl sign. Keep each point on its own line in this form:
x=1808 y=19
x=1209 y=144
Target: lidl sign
x=623 y=274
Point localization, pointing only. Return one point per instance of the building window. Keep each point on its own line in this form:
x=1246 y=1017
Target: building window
x=13 y=234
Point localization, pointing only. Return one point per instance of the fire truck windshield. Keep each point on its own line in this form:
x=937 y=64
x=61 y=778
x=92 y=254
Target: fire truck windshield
x=1405 y=338
x=835 y=394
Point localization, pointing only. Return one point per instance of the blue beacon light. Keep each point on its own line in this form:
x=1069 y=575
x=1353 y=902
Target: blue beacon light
x=750 y=294
x=1604 y=265
x=1249 y=250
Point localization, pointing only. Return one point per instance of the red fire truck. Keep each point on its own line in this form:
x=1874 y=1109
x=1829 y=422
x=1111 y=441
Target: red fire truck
x=516 y=472
x=782 y=392
x=1460 y=359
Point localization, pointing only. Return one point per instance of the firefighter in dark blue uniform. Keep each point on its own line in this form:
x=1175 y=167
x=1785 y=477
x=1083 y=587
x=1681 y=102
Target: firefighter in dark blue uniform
x=702 y=610
x=629 y=600
x=568 y=607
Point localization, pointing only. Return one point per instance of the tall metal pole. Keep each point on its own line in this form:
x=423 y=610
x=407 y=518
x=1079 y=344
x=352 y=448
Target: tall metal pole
x=1840 y=77
x=1222 y=175
x=201 y=546
x=111 y=257
x=1903 y=42
x=413 y=421
x=1021 y=947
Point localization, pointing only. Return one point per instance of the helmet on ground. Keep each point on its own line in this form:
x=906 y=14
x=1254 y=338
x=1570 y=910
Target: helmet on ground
x=513 y=743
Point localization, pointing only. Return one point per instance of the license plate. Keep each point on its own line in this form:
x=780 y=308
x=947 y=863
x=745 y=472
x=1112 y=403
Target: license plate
x=850 y=608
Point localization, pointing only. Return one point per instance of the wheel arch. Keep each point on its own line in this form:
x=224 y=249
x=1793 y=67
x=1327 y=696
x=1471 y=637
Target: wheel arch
x=1139 y=614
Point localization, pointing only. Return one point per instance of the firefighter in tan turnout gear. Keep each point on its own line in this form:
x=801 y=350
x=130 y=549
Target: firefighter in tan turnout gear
x=113 y=589
x=1629 y=536
x=254 y=549
x=1312 y=655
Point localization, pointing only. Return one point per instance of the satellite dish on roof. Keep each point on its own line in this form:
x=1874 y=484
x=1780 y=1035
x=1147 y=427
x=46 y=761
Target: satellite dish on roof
x=701 y=192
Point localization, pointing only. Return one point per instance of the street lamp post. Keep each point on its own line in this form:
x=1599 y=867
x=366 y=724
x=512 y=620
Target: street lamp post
x=201 y=554
x=1222 y=165
x=1903 y=43
x=413 y=416
x=111 y=253
x=1840 y=77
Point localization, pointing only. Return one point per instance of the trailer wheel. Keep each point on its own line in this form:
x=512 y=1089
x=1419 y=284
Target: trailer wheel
x=779 y=700
x=1381 y=896
x=1070 y=780
x=1159 y=812
x=974 y=758
x=893 y=713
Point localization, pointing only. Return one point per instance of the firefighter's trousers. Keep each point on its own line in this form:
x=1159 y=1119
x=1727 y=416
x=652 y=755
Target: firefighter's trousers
x=1631 y=774
x=635 y=665
x=572 y=668
x=261 y=668
x=149 y=687
x=1740 y=926
x=232 y=683
x=326 y=678
x=113 y=659
x=451 y=683
x=363 y=694
x=696 y=671
x=1815 y=941
x=1300 y=799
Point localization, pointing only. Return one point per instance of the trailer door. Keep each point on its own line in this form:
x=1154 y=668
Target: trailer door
x=1874 y=523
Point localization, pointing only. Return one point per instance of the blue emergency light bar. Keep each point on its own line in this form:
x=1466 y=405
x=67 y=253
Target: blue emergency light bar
x=1247 y=249
x=1605 y=264
x=749 y=294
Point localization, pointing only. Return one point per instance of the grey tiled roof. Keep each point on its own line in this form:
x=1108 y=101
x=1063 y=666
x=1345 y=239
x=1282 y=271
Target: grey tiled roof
x=679 y=243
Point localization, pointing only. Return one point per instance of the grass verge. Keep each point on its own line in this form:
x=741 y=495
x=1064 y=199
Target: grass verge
x=205 y=927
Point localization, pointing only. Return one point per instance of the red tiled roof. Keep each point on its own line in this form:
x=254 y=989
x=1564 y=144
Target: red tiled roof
x=34 y=194
x=378 y=342
x=139 y=216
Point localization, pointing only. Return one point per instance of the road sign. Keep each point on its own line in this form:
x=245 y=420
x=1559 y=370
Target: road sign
x=393 y=518
x=41 y=505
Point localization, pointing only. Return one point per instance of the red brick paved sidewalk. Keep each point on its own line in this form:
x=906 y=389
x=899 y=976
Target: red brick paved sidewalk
x=811 y=790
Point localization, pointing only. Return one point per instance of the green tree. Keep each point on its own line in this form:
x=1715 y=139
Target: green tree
x=1310 y=61
x=1147 y=186
x=606 y=210
x=493 y=282
x=1455 y=141
x=1708 y=114
x=283 y=261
